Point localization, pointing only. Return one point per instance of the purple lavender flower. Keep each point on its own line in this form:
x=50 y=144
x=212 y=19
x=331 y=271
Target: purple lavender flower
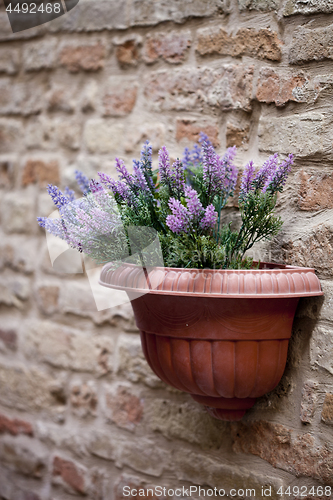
x=58 y=198
x=193 y=203
x=214 y=172
x=140 y=179
x=119 y=188
x=277 y=178
x=123 y=172
x=179 y=221
x=82 y=181
x=69 y=193
x=247 y=181
x=186 y=159
x=164 y=164
x=231 y=172
x=265 y=171
x=209 y=219
x=177 y=180
x=146 y=164
x=53 y=226
x=95 y=186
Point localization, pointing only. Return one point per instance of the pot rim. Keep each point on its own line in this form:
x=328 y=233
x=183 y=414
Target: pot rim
x=269 y=281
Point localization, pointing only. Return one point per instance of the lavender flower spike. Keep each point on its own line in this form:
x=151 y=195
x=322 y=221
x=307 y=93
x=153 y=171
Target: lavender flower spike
x=58 y=198
x=277 y=179
x=82 y=181
x=179 y=221
x=209 y=219
x=194 y=205
x=247 y=179
x=164 y=164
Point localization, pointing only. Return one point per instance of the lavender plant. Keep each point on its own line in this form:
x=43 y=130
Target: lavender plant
x=182 y=202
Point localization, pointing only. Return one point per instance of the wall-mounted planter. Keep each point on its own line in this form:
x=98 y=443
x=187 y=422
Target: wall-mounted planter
x=220 y=335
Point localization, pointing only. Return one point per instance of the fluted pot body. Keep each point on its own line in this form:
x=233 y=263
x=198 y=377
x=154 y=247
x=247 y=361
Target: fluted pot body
x=220 y=335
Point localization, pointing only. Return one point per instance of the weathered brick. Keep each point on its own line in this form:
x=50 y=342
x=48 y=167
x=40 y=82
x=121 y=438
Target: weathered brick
x=6 y=174
x=8 y=337
x=128 y=50
x=321 y=348
x=260 y=5
x=69 y=134
x=70 y=475
x=237 y=136
x=189 y=129
x=153 y=131
x=10 y=135
x=9 y=60
x=41 y=172
x=280 y=88
x=120 y=102
x=123 y=408
x=307 y=7
x=27 y=389
x=142 y=455
x=299 y=455
x=276 y=134
x=18 y=213
x=132 y=364
x=65 y=347
x=226 y=88
x=48 y=298
x=177 y=421
x=93 y=16
x=83 y=58
x=62 y=98
x=23 y=457
x=315 y=191
x=148 y=12
x=199 y=468
x=19 y=254
x=100 y=445
x=313 y=249
x=24 y=98
x=311 y=45
x=308 y=402
x=15 y=426
x=84 y=399
x=103 y=136
x=172 y=47
x=327 y=410
x=263 y=43
x=39 y=55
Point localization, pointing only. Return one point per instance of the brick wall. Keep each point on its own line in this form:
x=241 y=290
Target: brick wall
x=81 y=414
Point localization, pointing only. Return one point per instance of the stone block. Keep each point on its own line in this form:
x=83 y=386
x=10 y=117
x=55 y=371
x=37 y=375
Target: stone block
x=154 y=132
x=128 y=50
x=83 y=398
x=9 y=60
x=23 y=456
x=226 y=88
x=311 y=44
x=70 y=475
x=171 y=47
x=321 y=349
x=262 y=43
x=237 y=136
x=39 y=55
x=123 y=407
x=259 y=5
x=102 y=136
x=40 y=172
x=10 y=135
x=327 y=410
x=190 y=129
x=21 y=98
x=308 y=402
x=15 y=426
x=120 y=100
x=307 y=7
x=18 y=213
x=48 y=298
x=315 y=191
x=280 y=88
x=83 y=57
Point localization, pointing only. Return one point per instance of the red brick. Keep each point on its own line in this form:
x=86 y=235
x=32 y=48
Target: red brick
x=172 y=47
x=84 y=400
x=48 y=298
x=120 y=102
x=70 y=473
x=188 y=129
x=15 y=426
x=327 y=411
x=308 y=402
x=279 y=88
x=9 y=338
x=237 y=136
x=38 y=171
x=126 y=409
x=6 y=174
x=263 y=43
x=274 y=443
x=316 y=191
x=84 y=57
x=226 y=88
x=127 y=53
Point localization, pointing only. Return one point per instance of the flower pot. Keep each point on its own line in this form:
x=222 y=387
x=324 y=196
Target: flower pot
x=220 y=335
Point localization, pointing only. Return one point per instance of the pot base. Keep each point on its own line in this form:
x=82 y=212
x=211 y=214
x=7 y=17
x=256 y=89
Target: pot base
x=228 y=409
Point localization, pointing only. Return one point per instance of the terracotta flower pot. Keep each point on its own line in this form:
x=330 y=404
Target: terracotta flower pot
x=220 y=335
